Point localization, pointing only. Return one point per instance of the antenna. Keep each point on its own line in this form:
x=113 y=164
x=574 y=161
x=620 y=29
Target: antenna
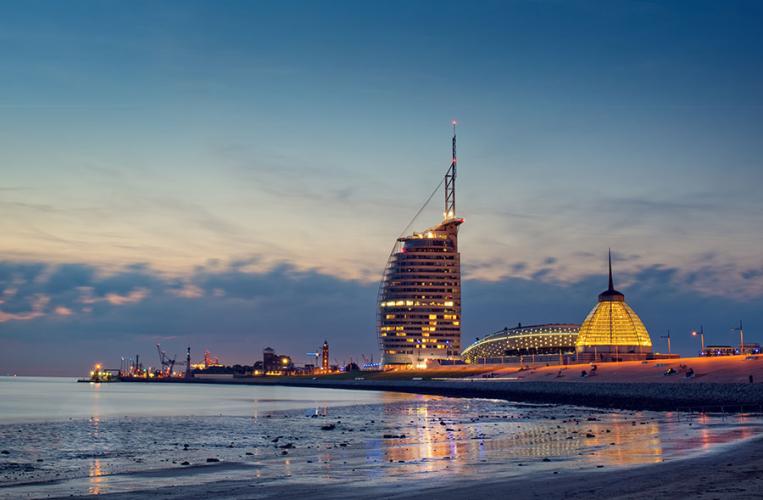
x=450 y=181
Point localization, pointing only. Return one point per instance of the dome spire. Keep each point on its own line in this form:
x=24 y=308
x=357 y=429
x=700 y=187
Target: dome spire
x=610 y=294
x=611 y=282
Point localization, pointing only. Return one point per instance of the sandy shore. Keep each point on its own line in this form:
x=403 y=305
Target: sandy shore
x=734 y=472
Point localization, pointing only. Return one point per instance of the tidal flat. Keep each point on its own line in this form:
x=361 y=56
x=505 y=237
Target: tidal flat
x=276 y=438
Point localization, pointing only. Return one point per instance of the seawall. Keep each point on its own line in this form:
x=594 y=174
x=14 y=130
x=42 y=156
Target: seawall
x=631 y=396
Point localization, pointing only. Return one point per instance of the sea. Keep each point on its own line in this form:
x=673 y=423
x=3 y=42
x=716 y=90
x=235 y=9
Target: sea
x=62 y=438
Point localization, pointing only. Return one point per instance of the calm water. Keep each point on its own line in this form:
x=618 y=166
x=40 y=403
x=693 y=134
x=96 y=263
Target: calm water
x=66 y=438
x=23 y=399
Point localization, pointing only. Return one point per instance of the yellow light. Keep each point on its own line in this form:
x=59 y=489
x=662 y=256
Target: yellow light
x=613 y=323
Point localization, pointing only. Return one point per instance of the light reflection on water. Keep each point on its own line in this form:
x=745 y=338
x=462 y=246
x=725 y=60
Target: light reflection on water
x=611 y=439
x=95 y=478
x=443 y=438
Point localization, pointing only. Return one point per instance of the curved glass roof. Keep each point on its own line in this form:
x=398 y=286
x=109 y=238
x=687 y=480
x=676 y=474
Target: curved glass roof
x=613 y=323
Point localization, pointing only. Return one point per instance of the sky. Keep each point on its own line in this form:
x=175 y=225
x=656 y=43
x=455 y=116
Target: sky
x=232 y=175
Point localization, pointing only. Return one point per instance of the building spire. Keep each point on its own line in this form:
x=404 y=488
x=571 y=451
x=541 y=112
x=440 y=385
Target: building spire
x=610 y=294
x=611 y=282
x=450 y=181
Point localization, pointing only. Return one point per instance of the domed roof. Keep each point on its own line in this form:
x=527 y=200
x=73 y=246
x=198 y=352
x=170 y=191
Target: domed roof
x=612 y=322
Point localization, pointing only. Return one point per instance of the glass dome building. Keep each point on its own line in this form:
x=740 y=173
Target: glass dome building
x=548 y=342
x=612 y=331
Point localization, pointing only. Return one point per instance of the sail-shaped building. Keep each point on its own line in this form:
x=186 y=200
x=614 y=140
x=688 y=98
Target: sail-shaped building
x=419 y=303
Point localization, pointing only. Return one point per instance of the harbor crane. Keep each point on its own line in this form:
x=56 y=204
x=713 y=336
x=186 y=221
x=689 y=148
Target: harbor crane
x=168 y=364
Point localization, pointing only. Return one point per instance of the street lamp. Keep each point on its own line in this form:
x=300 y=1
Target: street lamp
x=701 y=334
x=741 y=336
x=667 y=337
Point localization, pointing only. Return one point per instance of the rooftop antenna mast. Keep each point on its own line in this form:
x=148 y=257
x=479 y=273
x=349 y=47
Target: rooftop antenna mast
x=450 y=181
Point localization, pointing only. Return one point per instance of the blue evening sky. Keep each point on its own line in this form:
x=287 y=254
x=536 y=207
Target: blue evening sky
x=233 y=174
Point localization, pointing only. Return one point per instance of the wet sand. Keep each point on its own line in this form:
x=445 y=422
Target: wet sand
x=393 y=446
x=733 y=472
x=402 y=447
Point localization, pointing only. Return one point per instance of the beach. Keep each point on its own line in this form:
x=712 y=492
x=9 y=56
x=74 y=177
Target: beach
x=243 y=441
x=736 y=472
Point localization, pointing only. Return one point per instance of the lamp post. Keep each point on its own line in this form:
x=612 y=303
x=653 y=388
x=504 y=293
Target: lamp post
x=667 y=337
x=741 y=336
x=701 y=334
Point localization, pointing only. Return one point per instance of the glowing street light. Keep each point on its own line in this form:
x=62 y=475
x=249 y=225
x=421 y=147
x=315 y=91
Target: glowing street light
x=741 y=336
x=701 y=334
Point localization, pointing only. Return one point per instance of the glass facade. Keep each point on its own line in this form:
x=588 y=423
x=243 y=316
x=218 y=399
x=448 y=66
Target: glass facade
x=550 y=339
x=613 y=323
x=419 y=315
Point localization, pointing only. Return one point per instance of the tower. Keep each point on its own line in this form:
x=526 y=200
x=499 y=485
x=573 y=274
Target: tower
x=188 y=369
x=419 y=303
x=325 y=357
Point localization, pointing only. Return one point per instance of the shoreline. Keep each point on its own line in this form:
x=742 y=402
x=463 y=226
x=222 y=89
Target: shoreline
x=682 y=397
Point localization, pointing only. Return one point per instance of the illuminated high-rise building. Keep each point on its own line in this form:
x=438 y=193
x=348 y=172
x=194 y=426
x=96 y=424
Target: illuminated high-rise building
x=612 y=330
x=419 y=306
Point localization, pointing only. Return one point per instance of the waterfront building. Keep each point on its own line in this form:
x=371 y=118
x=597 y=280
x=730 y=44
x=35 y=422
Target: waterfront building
x=275 y=364
x=552 y=343
x=419 y=303
x=612 y=331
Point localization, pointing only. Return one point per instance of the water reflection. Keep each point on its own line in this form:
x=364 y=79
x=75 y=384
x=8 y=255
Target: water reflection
x=94 y=478
x=436 y=437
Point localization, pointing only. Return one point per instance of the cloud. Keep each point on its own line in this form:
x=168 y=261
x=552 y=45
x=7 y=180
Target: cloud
x=63 y=311
x=134 y=296
x=236 y=310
